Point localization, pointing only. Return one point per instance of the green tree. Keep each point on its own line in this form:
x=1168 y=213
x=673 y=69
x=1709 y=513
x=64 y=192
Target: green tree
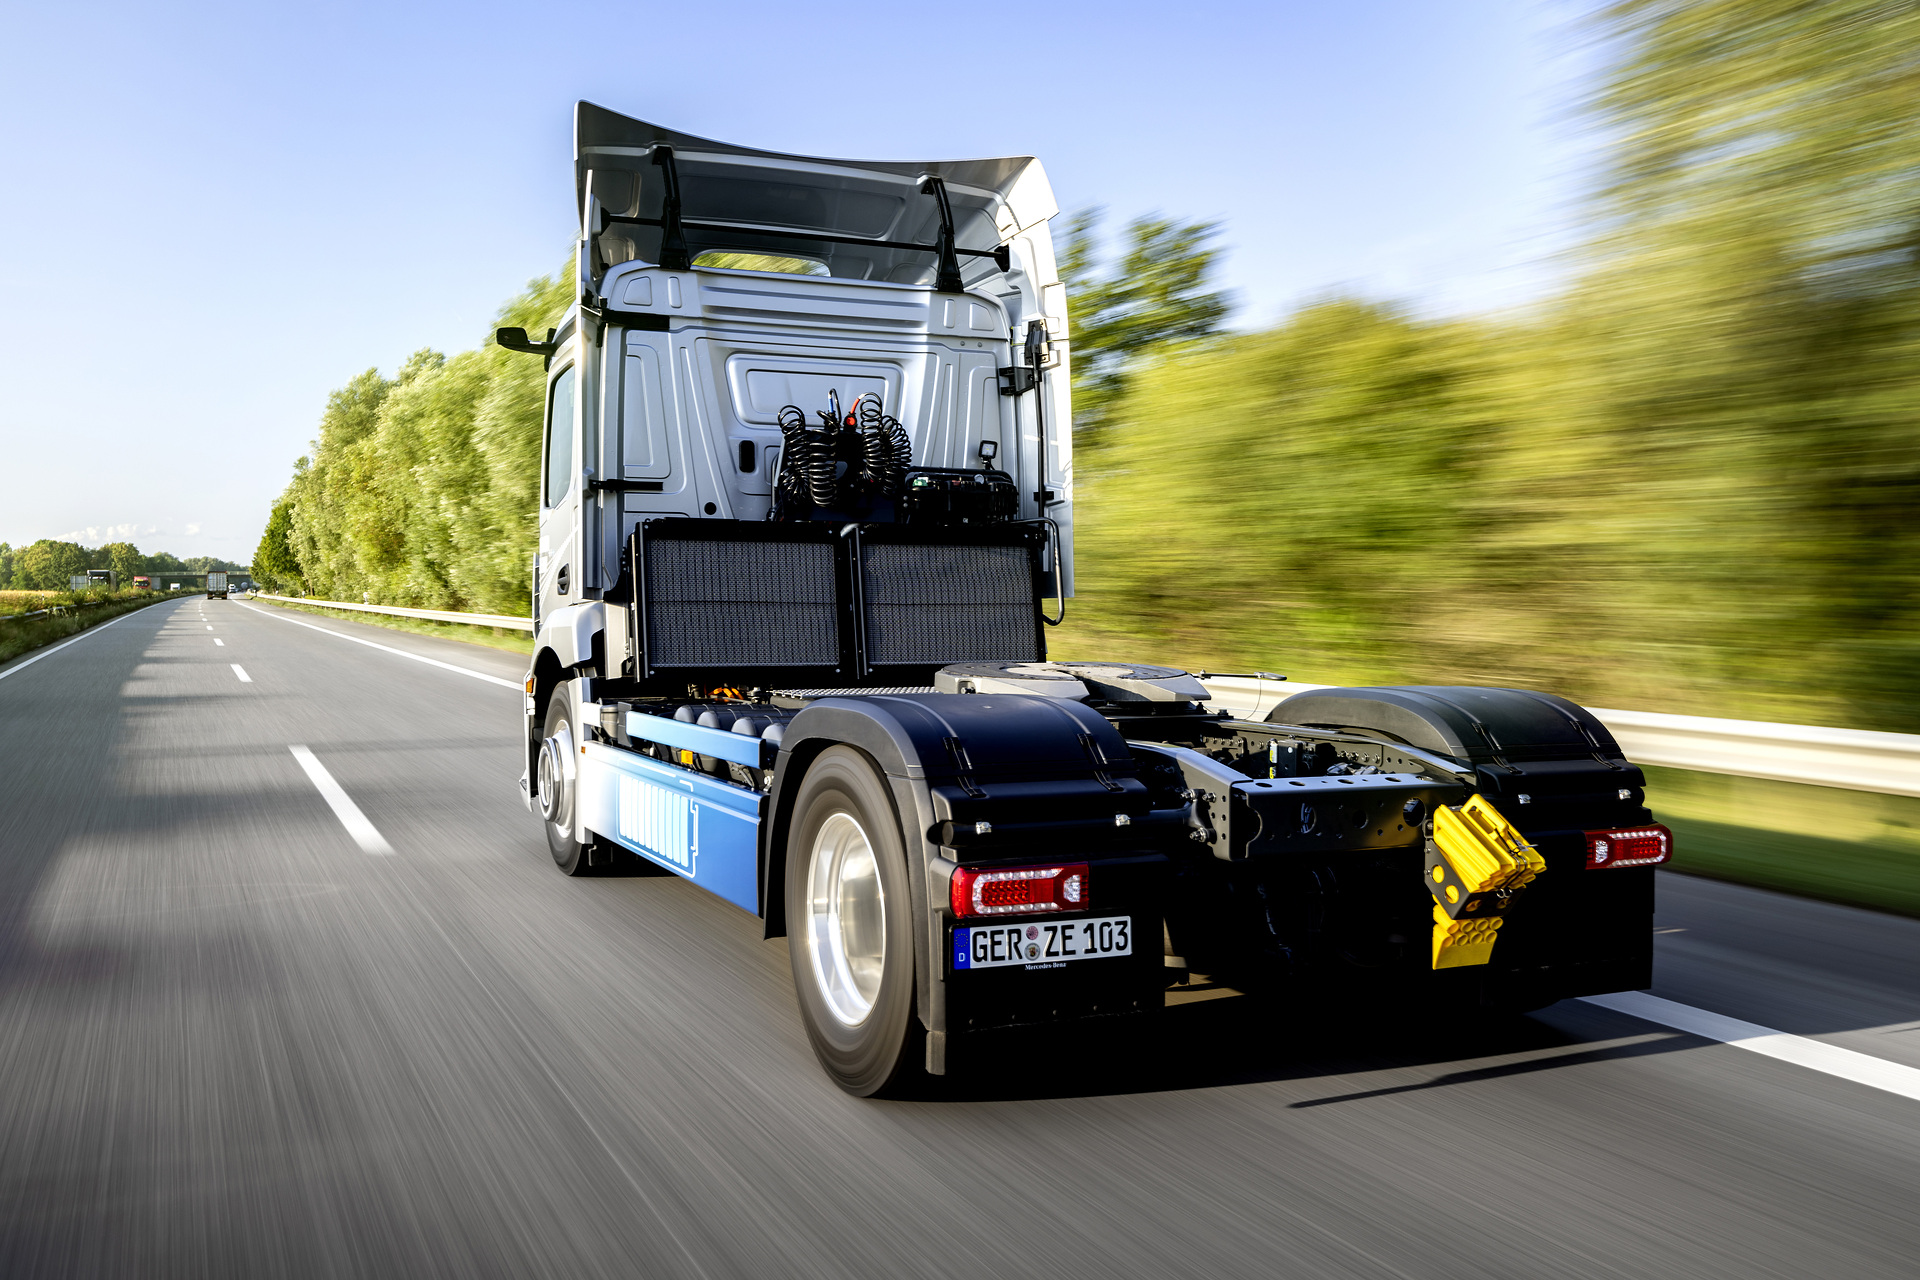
x=49 y=565
x=6 y=567
x=1750 y=332
x=1308 y=491
x=273 y=561
x=1686 y=484
x=1155 y=295
x=420 y=489
x=123 y=558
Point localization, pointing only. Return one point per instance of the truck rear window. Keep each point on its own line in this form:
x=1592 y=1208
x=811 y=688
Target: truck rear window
x=761 y=262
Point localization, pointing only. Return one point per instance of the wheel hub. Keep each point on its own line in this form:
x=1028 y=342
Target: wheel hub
x=847 y=919
x=556 y=775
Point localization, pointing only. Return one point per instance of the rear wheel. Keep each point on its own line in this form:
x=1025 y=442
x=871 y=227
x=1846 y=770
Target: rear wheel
x=850 y=926
x=557 y=776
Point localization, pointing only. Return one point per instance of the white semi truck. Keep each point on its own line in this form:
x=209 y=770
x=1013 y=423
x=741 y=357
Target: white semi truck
x=216 y=585
x=806 y=514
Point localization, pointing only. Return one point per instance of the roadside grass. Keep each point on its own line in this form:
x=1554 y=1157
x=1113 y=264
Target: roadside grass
x=466 y=633
x=18 y=602
x=22 y=635
x=1854 y=847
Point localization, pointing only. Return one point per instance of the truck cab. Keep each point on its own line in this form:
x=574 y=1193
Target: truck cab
x=806 y=514
x=719 y=284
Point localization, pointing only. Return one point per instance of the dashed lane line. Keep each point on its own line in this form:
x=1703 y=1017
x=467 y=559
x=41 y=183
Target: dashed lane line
x=432 y=662
x=364 y=833
x=218 y=641
x=1861 y=1068
x=241 y=672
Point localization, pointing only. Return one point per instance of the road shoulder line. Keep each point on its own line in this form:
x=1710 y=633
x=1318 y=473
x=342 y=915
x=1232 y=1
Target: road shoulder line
x=432 y=662
x=48 y=653
x=1817 y=1055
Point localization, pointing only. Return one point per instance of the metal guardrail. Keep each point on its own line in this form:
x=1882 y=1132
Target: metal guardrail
x=1856 y=759
x=505 y=621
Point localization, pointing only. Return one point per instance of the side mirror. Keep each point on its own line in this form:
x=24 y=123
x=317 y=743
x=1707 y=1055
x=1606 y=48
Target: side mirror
x=517 y=340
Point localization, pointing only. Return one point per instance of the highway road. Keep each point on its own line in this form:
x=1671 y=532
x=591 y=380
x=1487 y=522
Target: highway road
x=241 y=1037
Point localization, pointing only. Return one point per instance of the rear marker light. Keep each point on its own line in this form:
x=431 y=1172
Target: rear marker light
x=1021 y=890
x=1629 y=847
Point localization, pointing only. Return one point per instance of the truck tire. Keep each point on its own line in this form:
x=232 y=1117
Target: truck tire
x=557 y=776
x=850 y=926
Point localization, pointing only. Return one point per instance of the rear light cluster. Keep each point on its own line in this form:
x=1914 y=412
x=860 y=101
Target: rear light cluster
x=1006 y=891
x=1629 y=847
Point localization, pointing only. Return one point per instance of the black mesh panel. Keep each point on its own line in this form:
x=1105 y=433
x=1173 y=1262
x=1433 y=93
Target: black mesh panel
x=741 y=604
x=934 y=604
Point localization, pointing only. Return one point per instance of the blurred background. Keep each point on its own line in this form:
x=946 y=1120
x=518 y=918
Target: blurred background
x=1571 y=346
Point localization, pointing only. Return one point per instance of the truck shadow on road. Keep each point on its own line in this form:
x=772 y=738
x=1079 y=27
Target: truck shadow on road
x=1239 y=1040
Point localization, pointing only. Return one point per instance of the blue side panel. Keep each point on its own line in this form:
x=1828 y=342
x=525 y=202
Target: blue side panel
x=697 y=826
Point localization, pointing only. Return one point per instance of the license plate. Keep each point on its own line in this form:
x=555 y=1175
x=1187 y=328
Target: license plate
x=1041 y=945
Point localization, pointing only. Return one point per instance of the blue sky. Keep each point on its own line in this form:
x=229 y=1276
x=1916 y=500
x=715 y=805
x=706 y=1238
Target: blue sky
x=214 y=214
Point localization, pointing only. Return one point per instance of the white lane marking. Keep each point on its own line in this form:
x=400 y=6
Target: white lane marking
x=222 y=643
x=48 y=653
x=209 y=626
x=241 y=672
x=364 y=833
x=432 y=662
x=1818 y=1055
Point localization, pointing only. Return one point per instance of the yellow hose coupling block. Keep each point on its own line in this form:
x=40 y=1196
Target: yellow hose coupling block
x=1476 y=859
x=1459 y=943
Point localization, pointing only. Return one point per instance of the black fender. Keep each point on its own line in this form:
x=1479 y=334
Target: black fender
x=927 y=745
x=544 y=675
x=1470 y=723
x=1545 y=762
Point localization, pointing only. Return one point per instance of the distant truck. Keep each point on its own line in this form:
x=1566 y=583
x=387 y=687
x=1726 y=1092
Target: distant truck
x=217 y=585
x=806 y=514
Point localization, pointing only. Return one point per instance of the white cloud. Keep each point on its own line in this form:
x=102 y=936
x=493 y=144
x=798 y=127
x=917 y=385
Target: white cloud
x=94 y=534
x=192 y=529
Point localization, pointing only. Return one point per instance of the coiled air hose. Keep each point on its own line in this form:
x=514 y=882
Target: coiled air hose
x=885 y=450
x=791 y=487
x=810 y=466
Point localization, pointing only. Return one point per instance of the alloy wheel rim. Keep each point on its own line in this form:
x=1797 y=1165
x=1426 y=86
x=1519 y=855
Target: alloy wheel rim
x=556 y=777
x=847 y=919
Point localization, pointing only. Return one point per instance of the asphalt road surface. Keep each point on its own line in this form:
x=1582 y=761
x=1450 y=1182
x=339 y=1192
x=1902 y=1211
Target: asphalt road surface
x=236 y=1042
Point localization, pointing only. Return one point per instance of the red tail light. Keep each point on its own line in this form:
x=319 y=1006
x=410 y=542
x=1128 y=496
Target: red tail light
x=1006 y=891
x=1629 y=847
